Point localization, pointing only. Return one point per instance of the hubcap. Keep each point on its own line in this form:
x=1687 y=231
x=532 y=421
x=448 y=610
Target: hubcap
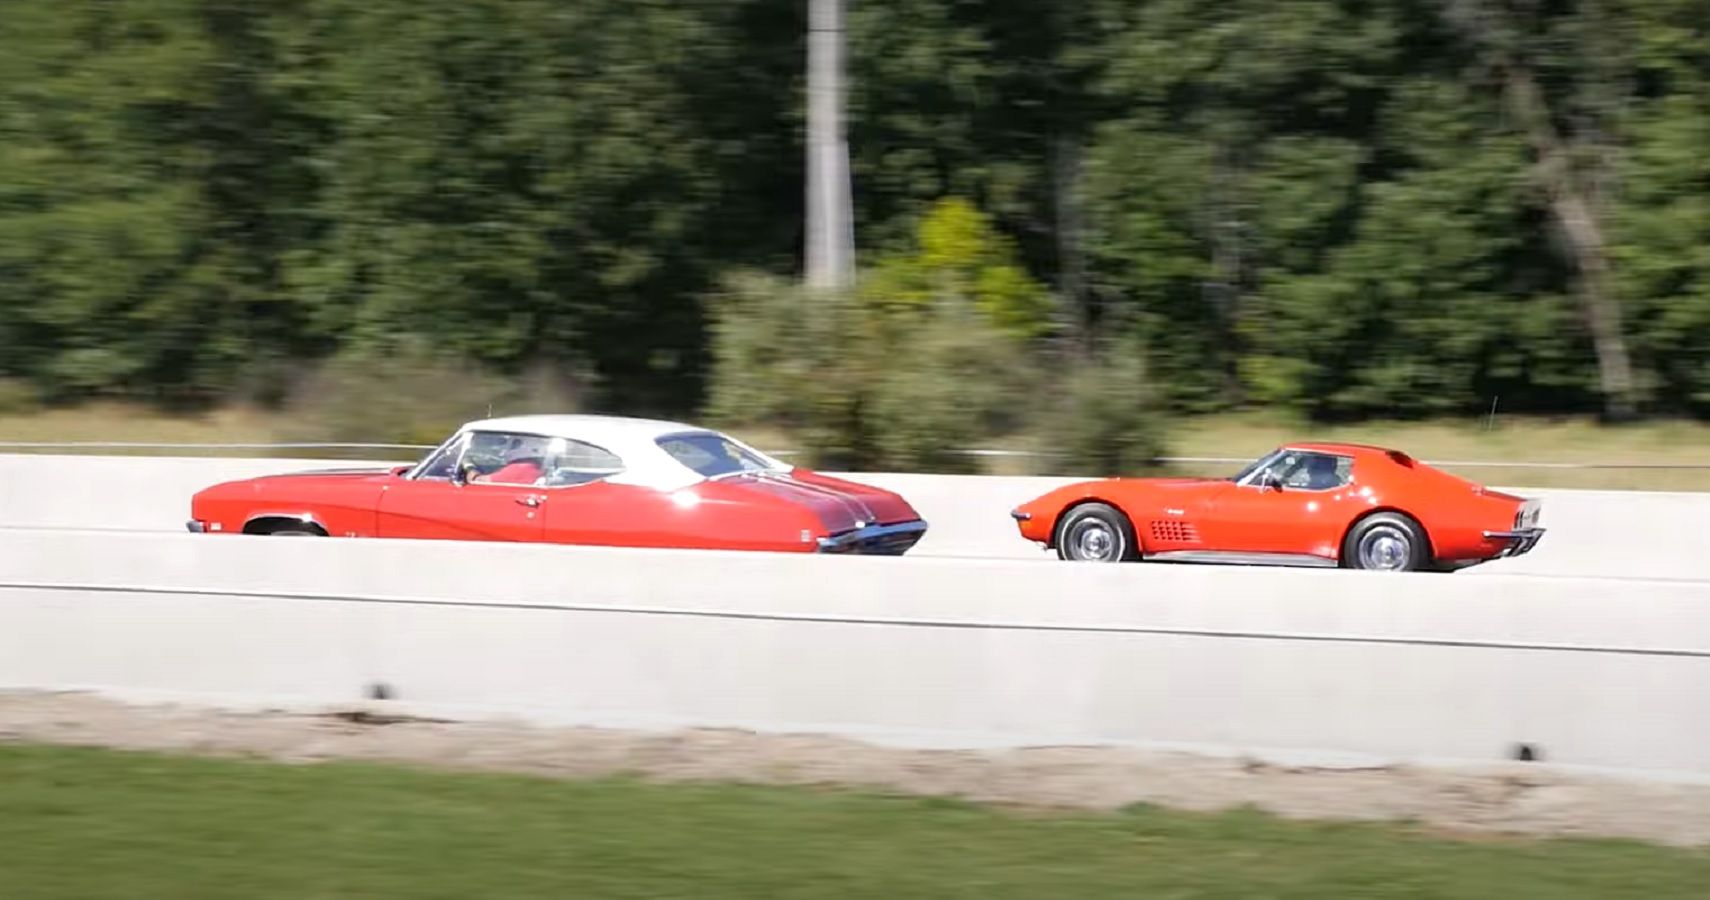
x=1384 y=548
x=1093 y=540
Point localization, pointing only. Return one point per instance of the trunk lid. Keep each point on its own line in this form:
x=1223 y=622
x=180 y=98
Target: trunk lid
x=840 y=505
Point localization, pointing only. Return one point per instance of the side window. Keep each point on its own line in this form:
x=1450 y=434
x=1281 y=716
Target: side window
x=440 y=465
x=575 y=462
x=1314 y=471
x=501 y=458
x=710 y=454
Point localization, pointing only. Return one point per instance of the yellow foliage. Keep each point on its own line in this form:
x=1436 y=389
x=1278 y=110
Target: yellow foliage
x=959 y=255
x=955 y=236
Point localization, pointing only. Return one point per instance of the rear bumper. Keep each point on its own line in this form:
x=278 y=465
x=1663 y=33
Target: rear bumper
x=876 y=540
x=197 y=526
x=1519 y=543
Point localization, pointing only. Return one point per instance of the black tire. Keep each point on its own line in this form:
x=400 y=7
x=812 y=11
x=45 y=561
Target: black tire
x=1387 y=542
x=1096 y=532
x=288 y=528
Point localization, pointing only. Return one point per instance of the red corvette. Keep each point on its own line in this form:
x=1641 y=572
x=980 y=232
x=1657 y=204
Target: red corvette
x=576 y=480
x=1351 y=505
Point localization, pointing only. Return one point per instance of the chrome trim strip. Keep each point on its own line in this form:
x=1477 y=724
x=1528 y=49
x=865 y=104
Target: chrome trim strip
x=1020 y=516
x=1230 y=557
x=916 y=527
x=1520 y=543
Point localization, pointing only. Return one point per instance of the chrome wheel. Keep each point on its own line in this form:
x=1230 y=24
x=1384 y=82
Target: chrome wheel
x=1386 y=548
x=1096 y=532
x=1094 y=540
x=1387 y=541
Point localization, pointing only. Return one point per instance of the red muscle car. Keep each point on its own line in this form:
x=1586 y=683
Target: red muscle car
x=1351 y=505
x=599 y=480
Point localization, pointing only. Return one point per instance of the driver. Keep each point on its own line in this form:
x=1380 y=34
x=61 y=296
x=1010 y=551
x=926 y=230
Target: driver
x=521 y=466
x=1320 y=473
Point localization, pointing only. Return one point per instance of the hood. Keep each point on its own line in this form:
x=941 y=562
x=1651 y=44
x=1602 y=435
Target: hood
x=1159 y=490
x=297 y=480
x=1130 y=487
x=839 y=505
x=1166 y=484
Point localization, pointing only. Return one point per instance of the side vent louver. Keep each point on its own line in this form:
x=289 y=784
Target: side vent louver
x=1174 y=531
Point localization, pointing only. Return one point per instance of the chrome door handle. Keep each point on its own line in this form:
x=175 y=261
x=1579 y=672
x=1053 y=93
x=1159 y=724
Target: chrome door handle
x=529 y=501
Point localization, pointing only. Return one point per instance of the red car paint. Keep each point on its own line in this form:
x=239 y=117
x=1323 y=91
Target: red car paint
x=787 y=509
x=1211 y=520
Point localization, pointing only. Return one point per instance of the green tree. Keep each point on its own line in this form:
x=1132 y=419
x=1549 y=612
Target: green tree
x=146 y=171
x=915 y=363
x=1660 y=240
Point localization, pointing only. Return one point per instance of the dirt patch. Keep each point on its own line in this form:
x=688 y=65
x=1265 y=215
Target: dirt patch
x=1512 y=799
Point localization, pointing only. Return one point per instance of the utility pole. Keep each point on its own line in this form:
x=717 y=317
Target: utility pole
x=830 y=224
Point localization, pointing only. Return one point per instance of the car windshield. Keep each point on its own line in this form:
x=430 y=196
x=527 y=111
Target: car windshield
x=1256 y=465
x=710 y=454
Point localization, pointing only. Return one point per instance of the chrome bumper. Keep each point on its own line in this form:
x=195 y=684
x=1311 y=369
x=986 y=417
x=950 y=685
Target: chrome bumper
x=197 y=525
x=876 y=540
x=1520 y=542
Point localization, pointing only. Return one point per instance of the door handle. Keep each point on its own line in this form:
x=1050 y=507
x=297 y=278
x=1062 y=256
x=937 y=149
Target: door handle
x=529 y=501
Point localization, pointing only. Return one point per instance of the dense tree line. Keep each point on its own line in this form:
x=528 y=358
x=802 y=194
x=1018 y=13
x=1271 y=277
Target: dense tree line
x=1344 y=207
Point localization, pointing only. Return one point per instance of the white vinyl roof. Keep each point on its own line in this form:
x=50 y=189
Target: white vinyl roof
x=635 y=441
x=592 y=429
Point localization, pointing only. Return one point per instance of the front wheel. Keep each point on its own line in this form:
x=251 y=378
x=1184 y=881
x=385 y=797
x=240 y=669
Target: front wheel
x=1386 y=542
x=1096 y=532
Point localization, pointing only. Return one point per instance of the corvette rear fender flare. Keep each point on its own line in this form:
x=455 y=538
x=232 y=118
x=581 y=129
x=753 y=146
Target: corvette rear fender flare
x=1051 y=540
x=1342 y=539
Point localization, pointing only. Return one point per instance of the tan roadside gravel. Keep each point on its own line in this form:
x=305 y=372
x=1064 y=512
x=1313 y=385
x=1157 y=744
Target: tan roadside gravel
x=1517 y=798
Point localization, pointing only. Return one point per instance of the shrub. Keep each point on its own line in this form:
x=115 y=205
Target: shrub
x=406 y=392
x=858 y=385
x=1103 y=418
x=782 y=356
x=936 y=350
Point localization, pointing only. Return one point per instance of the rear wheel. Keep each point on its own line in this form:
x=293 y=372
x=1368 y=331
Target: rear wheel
x=1386 y=542
x=1096 y=532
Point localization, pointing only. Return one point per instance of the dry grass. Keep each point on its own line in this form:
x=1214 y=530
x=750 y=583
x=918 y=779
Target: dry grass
x=131 y=424
x=127 y=424
x=1240 y=436
x=1530 y=440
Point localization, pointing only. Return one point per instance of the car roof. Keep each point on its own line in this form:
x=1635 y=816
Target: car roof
x=633 y=440
x=1344 y=449
x=593 y=428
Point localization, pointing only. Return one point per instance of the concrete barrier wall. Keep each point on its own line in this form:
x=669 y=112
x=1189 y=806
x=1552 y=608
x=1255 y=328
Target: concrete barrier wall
x=1604 y=533
x=130 y=493
x=1292 y=665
